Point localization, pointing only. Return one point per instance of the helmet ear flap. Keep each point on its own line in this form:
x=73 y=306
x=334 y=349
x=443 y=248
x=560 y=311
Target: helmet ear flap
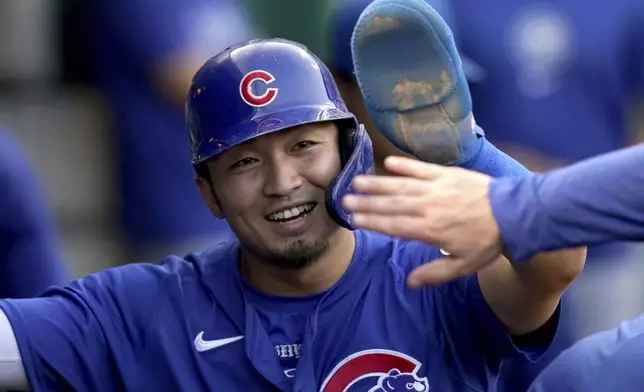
x=356 y=155
x=346 y=140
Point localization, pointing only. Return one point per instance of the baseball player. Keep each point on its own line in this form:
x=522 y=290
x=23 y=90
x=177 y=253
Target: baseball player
x=301 y=300
x=30 y=255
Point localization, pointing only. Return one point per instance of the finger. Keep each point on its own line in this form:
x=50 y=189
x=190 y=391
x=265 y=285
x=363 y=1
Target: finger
x=437 y=272
x=414 y=168
x=390 y=185
x=385 y=205
x=409 y=227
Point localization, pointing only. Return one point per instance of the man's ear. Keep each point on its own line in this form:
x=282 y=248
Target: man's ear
x=208 y=195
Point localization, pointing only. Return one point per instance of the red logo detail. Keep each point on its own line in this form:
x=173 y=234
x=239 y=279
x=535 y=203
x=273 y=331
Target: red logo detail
x=246 y=86
x=367 y=363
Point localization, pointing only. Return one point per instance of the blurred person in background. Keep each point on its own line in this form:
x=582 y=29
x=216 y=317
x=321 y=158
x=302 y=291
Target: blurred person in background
x=555 y=82
x=567 y=75
x=30 y=256
x=143 y=54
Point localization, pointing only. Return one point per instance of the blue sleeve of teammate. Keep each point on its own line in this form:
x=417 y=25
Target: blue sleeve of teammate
x=592 y=202
x=30 y=255
x=81 y=337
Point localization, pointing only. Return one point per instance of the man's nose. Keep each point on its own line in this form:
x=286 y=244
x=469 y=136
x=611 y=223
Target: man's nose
x=282 y=178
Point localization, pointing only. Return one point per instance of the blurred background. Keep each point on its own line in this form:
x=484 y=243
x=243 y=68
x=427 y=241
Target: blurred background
x=91 y=93
x=65 y=67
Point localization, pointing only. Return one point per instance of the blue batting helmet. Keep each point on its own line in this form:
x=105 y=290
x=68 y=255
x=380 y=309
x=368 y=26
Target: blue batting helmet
x=267 y=85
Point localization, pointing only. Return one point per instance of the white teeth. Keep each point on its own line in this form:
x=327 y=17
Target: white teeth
x=291 y=212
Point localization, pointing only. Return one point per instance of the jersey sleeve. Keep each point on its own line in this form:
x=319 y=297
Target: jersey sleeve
x=30 y=255
x=80 y=337
x=152 y=30
x=476 y=340
x=592 y=202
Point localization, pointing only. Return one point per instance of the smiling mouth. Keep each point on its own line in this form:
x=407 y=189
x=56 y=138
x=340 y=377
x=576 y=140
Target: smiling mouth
x=292 y=214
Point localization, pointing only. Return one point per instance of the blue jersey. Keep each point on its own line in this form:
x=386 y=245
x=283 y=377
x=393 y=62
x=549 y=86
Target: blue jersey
x=623 y=371
x=30 y=255
x=576 y=369
x=194 y=324
x=558 y=74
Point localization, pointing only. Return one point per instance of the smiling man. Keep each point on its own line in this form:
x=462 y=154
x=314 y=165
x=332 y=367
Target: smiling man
x=271 y=189
x=302 y=300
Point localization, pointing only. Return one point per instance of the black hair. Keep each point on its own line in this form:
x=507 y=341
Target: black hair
x=203 y=171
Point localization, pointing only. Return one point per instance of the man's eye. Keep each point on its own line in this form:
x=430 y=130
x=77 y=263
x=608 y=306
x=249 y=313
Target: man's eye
x=304 y=144
x=242 y=162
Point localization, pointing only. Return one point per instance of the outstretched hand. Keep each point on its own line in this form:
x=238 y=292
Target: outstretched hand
x=444 y=206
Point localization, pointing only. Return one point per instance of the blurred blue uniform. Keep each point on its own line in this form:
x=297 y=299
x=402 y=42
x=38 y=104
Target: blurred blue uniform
x=558 y=77
x=577 y=368
x=30 y=256
x=142 y=327
x=623 y=371
x=161 y=207
x=556 y=84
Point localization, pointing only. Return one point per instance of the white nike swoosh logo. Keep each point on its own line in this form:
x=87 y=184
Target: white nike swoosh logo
x=444 y=252
x=205 y=345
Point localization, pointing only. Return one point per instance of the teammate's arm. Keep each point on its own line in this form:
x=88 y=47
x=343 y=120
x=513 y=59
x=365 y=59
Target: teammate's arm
x=592 y=202
x=422 y=204
x=524 y=296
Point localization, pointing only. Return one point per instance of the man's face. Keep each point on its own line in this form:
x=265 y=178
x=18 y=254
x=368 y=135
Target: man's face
x=271 y=191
